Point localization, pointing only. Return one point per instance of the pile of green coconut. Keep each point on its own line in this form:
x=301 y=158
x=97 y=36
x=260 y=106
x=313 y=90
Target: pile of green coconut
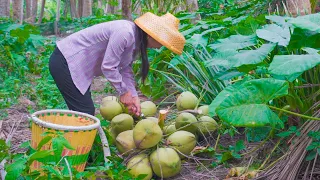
x=153 y=146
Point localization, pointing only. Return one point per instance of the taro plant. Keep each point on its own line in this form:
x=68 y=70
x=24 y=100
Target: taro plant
x=275 y=62
x=189 y=71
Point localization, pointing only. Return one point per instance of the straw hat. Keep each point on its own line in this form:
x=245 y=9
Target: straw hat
x=163 y=29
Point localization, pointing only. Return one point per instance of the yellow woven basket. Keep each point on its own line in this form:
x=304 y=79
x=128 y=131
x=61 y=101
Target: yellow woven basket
x=79 y=129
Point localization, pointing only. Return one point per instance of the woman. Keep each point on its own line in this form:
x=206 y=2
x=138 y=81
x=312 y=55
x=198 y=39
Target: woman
x=109 y=49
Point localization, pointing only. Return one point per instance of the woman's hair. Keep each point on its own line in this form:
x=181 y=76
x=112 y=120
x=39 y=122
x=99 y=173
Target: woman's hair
x=144 y=55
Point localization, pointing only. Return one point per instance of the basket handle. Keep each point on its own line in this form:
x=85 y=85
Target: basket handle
x=105 y=144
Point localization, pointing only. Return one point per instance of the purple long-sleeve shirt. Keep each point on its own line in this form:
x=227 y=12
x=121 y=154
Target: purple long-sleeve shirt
x=107 y=49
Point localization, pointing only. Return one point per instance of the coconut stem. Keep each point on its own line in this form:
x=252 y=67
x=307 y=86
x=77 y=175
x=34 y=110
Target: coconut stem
x=162 y=117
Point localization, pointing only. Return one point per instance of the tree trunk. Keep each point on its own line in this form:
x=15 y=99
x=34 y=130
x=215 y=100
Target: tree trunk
x=298 y=7
x=180 y=7
x=192 y=6
x=110 y=7
x=56 y=28
x=313 y=5
x=118 y=8
x=317 y=8
x=105 y=8
x=99 y=4
x=74 y=13
x=126 y=9
x=5 y=8
x=66 y=7
x=28 y=9
x=17 y=6
x=34 y=10
x=80 y=8
x=43 y=3
x=87 y=8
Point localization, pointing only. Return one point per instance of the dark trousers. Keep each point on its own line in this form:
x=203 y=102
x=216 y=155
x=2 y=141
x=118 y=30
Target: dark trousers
x=60 y=72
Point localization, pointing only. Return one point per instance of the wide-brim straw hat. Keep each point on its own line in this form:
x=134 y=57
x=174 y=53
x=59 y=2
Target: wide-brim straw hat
x=164 y=29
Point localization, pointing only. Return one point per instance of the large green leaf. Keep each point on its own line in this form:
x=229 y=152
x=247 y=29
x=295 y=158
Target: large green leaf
x=251 y=56
x=275 y=34
x=229 y=74
x=234 y=42
x=309 y=22
x=247 y=105
x=229 y=59
x=198 y=39
x=292 y=66
x=222 y=96
x=211 y=30
x=280 y=20
x=221 y=59
x=191 y=30
x=310 y=50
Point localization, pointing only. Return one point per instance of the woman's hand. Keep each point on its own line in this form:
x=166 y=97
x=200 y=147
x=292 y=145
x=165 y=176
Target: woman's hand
x=137 y=106
x=133 y=103
x=127 y=99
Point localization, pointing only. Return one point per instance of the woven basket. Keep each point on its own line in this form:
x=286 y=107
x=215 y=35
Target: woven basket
x=79 y=129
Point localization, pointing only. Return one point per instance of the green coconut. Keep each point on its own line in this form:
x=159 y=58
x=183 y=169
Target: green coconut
x=188 y=120
x=167 y=160
x=206 y=124
x=122 y=122
x=110 y=98
x=125 y=142
x=113 y=134
x=204 y=110
x=146 y=134
x=156 y=120
x=186 y=100
x=139 y=165
x=169 y=129
x=109 y=109
x=148 y=108
x=183 y=141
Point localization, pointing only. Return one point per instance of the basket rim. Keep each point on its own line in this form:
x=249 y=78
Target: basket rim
x=42 y=123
